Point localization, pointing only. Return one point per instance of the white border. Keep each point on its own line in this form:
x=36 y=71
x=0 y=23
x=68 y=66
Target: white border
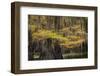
x=25 y=64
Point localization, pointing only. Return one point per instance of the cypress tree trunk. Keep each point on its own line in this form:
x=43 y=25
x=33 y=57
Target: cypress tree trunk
x=30 y=51
x=57 y=51
x=57 y=23
x=47 y=49
x=50 y=50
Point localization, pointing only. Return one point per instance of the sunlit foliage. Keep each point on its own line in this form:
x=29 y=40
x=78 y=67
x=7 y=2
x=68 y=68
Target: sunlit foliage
x=69 y=32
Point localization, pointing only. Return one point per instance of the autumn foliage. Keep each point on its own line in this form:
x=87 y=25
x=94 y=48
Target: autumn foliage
x=66 y=32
